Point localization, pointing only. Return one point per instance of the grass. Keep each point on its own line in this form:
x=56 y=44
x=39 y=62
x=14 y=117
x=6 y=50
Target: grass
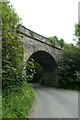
x=19 y=102
x=0 y=105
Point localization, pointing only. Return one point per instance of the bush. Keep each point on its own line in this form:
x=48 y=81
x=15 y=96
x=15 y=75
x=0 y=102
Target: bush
x=18 y=96
x=30 y=70
x=0 y=104
x=19 y=102
x=34 y=71
x=78 y=79
x=69 y=67
x=12 y=50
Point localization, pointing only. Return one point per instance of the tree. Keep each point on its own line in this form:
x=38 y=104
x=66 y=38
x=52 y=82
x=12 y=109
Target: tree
x=56 y=42
x=69 y=61
x=69 y=67
x=61 y=43
x=77 y=33
x=53 y=40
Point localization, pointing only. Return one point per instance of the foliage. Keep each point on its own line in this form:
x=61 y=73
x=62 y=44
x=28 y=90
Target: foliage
x=69 y=67
x=53 y=40
x=69 y=62
x=61 y=43
x=30 y=70
x=56 y=42
x=34 y=71
x=12 y=51
x=0 y=105
x=77 y=33
x=78 y=78
x=18 y=96
x=39 y=72
x=19 y=102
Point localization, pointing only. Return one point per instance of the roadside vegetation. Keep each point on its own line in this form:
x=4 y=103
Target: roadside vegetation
x=34 y=71
x=0 y=104
x=18 y=95
x=18 y=103
x=69 y=63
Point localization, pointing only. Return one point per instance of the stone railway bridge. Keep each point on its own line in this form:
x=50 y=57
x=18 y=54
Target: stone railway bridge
x=41 y=50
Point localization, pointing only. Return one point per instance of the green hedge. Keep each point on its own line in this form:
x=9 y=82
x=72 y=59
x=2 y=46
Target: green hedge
x=18 y=103
x=18 y=96
x=69 y=67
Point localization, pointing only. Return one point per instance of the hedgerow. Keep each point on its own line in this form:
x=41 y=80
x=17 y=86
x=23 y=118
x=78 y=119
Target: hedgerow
x=17 y=95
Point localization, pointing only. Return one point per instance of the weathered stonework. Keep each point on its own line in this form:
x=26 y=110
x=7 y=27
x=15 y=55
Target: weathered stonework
x=33 y=43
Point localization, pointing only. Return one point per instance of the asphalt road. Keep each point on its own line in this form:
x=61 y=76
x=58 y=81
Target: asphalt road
x=55 y=103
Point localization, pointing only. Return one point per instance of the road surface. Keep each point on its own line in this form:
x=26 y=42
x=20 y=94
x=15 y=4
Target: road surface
x=55 y=103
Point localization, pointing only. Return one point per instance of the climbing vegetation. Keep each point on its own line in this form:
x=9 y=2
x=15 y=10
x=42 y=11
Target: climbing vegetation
x=34 y=71
x=18 y=95
x=12 y=51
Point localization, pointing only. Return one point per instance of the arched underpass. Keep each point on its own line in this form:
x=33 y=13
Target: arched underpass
x=49 y=66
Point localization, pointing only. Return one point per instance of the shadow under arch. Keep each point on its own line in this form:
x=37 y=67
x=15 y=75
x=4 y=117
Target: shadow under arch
x=49 y=66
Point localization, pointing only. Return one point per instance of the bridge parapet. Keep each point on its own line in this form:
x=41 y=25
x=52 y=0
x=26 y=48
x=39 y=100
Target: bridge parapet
x=33 y=34
x=27 y=32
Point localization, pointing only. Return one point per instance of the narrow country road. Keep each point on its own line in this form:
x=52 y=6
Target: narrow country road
x=55 y=103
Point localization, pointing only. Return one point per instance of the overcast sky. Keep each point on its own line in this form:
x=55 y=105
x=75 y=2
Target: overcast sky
x=49 y=17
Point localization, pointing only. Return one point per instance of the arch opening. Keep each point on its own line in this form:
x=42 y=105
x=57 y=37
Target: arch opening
x=49 y=65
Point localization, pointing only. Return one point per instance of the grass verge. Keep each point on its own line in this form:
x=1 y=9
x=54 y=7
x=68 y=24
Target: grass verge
x=19 y=102
x=0 y=105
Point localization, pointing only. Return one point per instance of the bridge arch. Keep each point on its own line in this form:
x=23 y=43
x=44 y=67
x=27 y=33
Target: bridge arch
x=40 y=48
x=49 y=65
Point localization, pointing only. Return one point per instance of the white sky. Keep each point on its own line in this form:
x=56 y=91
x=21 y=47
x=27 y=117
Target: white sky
x=49 y=17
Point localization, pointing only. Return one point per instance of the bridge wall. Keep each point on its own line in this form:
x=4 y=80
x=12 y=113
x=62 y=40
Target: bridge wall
x=33 y=42
x=31 y=46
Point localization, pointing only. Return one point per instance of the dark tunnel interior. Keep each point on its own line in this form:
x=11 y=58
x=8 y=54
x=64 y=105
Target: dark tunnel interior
x=48 y=64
